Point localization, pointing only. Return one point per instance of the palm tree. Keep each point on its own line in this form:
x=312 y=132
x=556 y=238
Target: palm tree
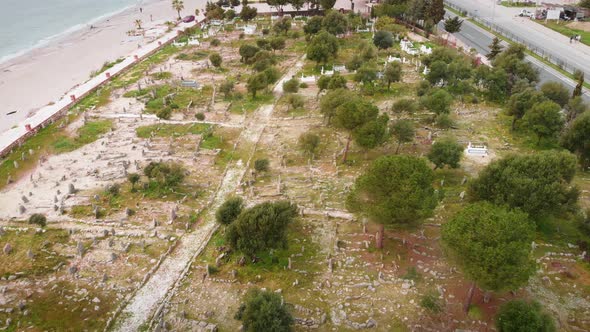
x=453 y=25
x=138 y=24
x=178 y=5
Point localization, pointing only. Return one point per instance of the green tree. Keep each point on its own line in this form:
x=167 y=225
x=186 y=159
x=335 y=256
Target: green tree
x=495 y=49
x=520 y=103
x=366 y=74
x=256 y=83
x=437 y=101
x=248 y=13
x=373 y=133
x=492 y=245
x=178 y=5
x=354 y=63
x=277 y=43
x=335 y=22
x=579 y=75
x=544 y=120
x=392 y=73
x=577 y=138
x=278 y=4
x=297 y=4
x=394 y=190
x=291 y=86
x=352 y=115
x=261 y=227
x=584 y=3
x=337 y=81
x=453 y=25
x=575 y=107
x=264 y=311
x=556 y=92
x=327 y=4
x=383 y=39
x=309 y=143
x=262 y=60
x=445 y=151
x=322 y=47
x=38 y=219
x=538 y=184
x=332 y=100
x=133 y=179
x=435 y=12
x=313 y=25
x=403 y=131
x=282 y=26
x=229 y=210
x=247 y=52
x=227 y=88
x=524 y=316
x=215 y=59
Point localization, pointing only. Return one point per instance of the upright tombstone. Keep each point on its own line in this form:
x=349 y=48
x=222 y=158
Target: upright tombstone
x=80 y=249
x=7 y=249
x=71 y=189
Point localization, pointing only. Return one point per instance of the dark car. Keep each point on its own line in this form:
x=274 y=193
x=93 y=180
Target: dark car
x=188 y=19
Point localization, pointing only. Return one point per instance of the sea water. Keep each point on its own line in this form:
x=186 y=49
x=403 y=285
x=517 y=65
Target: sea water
x=26 y=24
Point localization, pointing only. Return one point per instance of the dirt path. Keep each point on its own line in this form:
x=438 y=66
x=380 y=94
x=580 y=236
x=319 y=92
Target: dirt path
x=153 y=294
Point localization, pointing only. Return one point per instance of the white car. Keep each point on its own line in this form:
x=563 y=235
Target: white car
x=526 y=13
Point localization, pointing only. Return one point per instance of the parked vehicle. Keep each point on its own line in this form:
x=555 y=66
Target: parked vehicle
x=526 y=13
x=188 y=19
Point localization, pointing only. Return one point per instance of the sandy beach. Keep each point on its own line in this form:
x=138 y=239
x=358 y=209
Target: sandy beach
x=43 y=75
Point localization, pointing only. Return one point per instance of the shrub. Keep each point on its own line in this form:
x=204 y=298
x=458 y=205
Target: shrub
x=261 y=165
x=113 y=189
x=215 y=59
x=200 y=116
x=291 y=86
x=38 y=219
x=405 y=105
x=309 y=143
x=303 y=85
x=444 y=121
x=166 y=174
x=519 y=315
x=295 y=101
x=164 y=113
x=264 y=311
x=215 y=42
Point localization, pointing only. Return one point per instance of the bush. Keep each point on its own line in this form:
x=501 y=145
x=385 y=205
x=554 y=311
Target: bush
x=164 y=113
x=242 y=35
x=38 y=219
x=405 y=105
x=165 y=174
x=444 y=121
x=309 y=143
x=519 y=315
x=229 y=210
x=264 y=311
x=265 y=31
x=295 y=101
x=261 y=165
x=303 y=85
x=261 y=227
x=215 y=42
x=291 y=86
x=215 y=59
x=200 y=116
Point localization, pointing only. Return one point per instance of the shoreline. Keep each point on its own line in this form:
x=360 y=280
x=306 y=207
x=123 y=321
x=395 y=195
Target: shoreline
x=56 y=38
x=44 y=74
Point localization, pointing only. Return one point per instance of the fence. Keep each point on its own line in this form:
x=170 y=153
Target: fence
x=540 y=51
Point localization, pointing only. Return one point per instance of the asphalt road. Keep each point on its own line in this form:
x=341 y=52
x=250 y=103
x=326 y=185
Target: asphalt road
x=480 y=39
x=528 y=32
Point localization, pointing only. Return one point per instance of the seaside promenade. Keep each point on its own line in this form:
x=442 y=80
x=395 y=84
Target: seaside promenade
x=24 y=129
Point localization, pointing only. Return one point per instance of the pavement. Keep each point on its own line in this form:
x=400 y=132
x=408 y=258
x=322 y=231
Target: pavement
x=480 y=39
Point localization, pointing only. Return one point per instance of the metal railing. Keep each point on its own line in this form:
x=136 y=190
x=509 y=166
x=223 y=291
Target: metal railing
x=540 y=51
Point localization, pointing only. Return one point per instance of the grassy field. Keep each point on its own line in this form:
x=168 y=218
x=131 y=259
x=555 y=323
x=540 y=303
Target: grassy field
x=88 y=133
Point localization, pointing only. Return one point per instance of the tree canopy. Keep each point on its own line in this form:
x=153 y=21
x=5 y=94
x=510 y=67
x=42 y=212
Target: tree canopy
x=394 y=190
x=492 y=245
x=544 y=120
x=383 y=39
x=264 y=311
x=261 y=227
x=538 y=184
x=556 y=92
x=403 y=131
x=322 y=47
x=446 y=151
x=577 y=138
